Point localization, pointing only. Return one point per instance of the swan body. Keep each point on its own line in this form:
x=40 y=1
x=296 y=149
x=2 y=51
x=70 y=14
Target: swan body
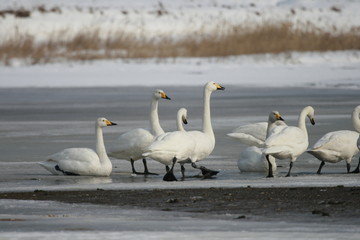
x=82 y=161
x=252 y=158
x=340 y=145
x=186 y=147
x=254 y=134
x=288 y=141
x=132 y=144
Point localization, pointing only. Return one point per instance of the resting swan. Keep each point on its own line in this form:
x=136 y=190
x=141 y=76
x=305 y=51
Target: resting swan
x=82 y=161
x=252 y=158
x=132 y=144
x=339 y=145
x=289 y=142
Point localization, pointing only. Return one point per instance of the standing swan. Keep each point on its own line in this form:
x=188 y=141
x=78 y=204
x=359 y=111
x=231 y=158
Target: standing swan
x=339 y=145
x=82 y=161
x=252 y=159
x=132 y=144
x=187 y=147
x=289 y=142
x=205 y=139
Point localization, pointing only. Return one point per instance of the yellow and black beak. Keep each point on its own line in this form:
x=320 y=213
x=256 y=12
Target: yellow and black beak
x=108 y=123
x=278 y=117
x=164 y=96
x=218 y=87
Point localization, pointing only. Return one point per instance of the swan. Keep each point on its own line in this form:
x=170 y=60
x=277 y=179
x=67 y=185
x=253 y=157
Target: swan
x=252 y=159
x=254 y=134
x=132 y=144
x=187 y=147
x=288 y=141
x=205 y=139
x=338 y=145
x=82 y=161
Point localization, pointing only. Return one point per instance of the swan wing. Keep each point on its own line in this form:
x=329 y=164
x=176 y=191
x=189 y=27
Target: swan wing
x=250 y=134
x=131 y=144
x=286 y=136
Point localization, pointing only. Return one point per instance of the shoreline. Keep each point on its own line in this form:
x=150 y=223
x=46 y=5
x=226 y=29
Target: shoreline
x=335 y=204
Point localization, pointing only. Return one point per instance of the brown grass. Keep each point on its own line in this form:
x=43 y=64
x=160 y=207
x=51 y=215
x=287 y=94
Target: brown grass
x=91 y=44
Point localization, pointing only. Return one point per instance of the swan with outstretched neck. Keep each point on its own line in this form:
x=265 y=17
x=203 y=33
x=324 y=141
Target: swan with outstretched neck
x=288 y=141
x=82 y=161
x=188 y=147
x=340 y=145
x=132 y=144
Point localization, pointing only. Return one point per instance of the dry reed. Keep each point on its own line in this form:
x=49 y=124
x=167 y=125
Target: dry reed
x=91 y=45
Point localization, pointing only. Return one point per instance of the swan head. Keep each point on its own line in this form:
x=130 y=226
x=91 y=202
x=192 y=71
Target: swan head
x=213 y=86
x=160 y=94
x=182 y=113
x=275 y=116
x=103 y=122
x=309 y=110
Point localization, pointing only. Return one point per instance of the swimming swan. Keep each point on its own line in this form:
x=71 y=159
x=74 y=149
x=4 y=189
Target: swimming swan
x=132 y=144
x=82 y=161
x=252 y=159
x=338 y=145
x=287 y=141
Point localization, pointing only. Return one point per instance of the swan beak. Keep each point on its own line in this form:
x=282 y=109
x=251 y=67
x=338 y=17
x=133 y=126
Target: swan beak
x=218 y=87
x=164 y=96
x=312 y=121
x=185 y=121
x=278 y=117
x=108 y=123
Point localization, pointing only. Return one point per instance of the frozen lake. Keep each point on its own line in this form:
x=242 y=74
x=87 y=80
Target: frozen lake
x=36 y=122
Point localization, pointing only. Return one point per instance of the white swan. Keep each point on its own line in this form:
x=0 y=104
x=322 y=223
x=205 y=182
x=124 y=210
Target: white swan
x=252 y=159
x=82 y=161
x=289 y=142
x=339 y=145
x=187 y=147
x=181 y=118
x=132 y=144
x=205 y=139
x=254 y=134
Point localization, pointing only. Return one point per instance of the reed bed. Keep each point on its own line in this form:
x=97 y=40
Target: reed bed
x=223 y=41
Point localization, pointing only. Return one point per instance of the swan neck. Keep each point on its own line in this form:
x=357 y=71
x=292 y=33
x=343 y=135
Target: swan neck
x=301 y=122
x=206 y=124
x=356 y=119
x=100 y=146
x=154 y=118
x=179 y=125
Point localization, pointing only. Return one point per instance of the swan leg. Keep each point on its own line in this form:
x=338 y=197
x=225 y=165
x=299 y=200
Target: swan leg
x=167 y=168
x=207 y=173
x=146 y=170
x=133 y=167
x=290 y=167
x=270 y=171
x=182 y=170
x=320 y=167
x=348 y=167
x=357 y=170
x=169 y=176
